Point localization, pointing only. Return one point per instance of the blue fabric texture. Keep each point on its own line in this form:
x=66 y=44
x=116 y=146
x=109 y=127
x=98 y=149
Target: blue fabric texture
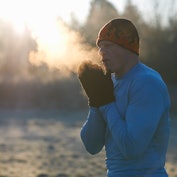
x=135 y=128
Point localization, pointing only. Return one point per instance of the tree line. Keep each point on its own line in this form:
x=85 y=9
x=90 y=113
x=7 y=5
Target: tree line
x=22 y=85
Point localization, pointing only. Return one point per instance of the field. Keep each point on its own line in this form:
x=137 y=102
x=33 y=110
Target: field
x=47 y=144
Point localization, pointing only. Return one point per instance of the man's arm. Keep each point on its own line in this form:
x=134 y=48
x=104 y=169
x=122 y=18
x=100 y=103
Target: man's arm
x=133 y=134
x=93 y=131
x=99 y=88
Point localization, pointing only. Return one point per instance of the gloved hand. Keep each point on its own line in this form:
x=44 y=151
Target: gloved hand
x=98 y=86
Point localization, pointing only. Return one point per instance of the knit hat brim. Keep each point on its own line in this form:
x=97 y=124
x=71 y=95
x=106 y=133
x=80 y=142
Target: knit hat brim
x=121 y=32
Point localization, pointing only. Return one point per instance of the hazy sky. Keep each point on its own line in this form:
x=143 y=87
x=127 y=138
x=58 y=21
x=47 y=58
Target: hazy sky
x=148 y=7
x=54 y=39
x=32 y=12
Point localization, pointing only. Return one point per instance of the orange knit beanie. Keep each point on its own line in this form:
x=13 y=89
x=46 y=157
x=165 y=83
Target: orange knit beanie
x=121 y=32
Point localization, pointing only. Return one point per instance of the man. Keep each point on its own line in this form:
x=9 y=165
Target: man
x=128 y=106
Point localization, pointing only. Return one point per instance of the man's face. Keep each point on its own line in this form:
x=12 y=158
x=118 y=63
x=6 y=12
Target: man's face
x=113 y=57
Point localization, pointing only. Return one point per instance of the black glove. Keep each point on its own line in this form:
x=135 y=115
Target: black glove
x=98 y=86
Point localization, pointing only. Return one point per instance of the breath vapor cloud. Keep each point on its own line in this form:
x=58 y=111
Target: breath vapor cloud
x=61 y=48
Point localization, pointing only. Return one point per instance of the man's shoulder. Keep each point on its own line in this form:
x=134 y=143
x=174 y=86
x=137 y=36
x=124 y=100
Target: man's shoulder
x=145 y=74
x=149 y=80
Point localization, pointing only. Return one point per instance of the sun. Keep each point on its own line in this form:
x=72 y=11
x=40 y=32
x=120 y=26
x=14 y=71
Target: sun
x=31 y=13
x=36 y=12
x=57 y=45
x=41 y=18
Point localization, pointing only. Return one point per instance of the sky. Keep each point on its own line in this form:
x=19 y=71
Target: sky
x=33 y=12
x=148 y=8
x=55 y=40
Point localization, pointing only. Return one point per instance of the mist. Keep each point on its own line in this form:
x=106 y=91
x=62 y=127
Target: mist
x=38 y=69
x=51 y=52
x=62 y=49
x=38 y=66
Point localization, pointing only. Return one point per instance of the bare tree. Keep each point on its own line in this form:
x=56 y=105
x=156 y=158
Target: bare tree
x=101 y=11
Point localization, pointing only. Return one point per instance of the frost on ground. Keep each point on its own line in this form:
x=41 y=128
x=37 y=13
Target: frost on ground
x=47 y=144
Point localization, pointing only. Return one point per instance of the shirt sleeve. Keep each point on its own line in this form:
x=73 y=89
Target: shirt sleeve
x=133 y=133
x=93 y=131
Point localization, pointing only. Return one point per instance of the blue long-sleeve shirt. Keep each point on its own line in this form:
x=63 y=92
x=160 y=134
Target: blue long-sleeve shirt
x=135 y=128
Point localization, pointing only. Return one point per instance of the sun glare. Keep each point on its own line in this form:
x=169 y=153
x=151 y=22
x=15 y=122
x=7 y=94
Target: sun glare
x=32 y=13
x=57 y=45
x=40 y=17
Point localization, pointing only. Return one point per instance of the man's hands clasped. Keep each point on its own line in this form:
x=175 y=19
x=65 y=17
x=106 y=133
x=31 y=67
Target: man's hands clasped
x=98 y=85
